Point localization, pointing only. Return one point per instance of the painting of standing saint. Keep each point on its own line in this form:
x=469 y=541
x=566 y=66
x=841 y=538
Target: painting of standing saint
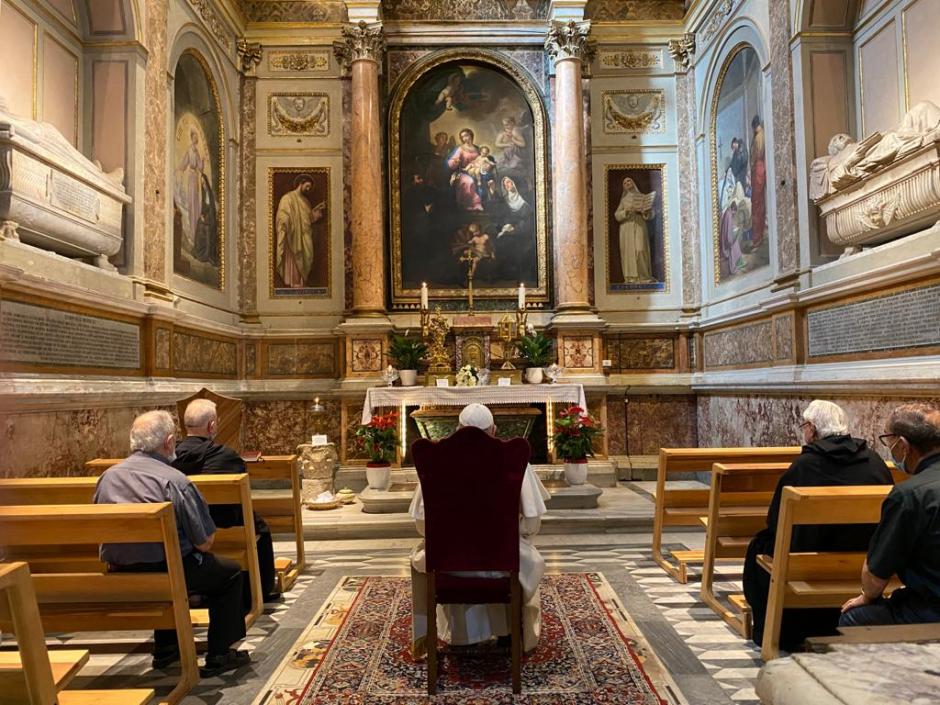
x=636 y=226
x=198 y=164
x=739 y=168
x=467 y=195
x=299 y=231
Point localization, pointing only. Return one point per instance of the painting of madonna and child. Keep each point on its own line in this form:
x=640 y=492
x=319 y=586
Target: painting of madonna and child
x=742 y=226
x=468 y=197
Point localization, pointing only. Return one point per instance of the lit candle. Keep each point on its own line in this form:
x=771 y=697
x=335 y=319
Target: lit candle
x=521 y=296
x=424 y=296
x=316 y=401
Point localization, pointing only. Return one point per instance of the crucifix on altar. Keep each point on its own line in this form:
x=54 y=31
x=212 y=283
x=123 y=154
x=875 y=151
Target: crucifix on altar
x=471 y=259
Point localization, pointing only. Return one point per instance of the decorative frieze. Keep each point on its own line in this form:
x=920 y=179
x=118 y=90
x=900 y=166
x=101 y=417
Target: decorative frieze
x=299 y=115
x=682 y=51
x=634 y=111
x=720 y=15
x=207 y=13
x=632 y=59
x=249 y=55
x=297 y=61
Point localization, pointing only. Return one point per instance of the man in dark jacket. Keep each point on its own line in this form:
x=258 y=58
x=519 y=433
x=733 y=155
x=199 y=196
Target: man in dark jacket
x=199 y=454
x=830 y=457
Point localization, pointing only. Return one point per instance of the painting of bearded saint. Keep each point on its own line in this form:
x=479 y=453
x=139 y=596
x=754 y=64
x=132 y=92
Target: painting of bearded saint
x=740 y=169
x=198 y=163
x=466 y=165
x=299 y=232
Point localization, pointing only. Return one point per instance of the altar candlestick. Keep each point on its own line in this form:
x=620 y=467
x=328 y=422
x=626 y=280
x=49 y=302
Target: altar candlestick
x=521 y=296
x=424 y=296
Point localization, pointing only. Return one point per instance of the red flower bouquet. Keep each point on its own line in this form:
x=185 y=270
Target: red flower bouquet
x=575 y=432
x=379 y=437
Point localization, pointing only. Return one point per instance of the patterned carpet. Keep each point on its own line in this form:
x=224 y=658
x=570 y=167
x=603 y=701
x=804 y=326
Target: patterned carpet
x=356 y=650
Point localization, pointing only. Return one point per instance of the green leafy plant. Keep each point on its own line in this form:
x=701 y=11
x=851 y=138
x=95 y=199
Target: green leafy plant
x=406 y=353
x=575 y=432
x=535 y=349
x=379 y=437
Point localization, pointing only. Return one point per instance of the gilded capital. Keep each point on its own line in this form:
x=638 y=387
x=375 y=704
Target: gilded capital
x=249 y=55
x=682 y=50
x=362 y=41
x=569 y=40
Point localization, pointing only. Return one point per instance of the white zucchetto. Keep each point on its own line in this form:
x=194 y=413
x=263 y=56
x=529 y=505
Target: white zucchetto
x=476 y=415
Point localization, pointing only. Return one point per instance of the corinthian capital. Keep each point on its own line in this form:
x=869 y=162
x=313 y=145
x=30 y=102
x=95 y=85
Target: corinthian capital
x=249 y=55
x=682 y=50
x=361 y=41
x=569 y=40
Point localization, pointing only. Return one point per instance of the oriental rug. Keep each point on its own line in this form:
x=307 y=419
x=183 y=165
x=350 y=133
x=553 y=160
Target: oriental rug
x=356 y=652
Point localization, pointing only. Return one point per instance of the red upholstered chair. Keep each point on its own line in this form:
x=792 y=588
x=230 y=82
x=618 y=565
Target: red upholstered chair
x=464 y=477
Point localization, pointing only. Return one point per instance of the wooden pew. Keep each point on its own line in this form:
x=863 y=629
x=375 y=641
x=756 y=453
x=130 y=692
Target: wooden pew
x=90 y=600
x=280 y=508
x=738 y=501
x=675 y=507
x=816 y=579
x=32 y=675
x=237 y=542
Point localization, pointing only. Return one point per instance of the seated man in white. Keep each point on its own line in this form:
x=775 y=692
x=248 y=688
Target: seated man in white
x=470 y=624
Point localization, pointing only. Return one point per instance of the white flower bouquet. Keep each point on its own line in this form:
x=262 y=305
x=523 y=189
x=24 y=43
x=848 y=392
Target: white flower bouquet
x=468 y=376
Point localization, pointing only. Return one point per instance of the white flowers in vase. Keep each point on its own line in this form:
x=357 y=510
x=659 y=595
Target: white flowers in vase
x=468 y=376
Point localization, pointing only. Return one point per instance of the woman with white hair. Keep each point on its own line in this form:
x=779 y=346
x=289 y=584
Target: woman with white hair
x=831 y=456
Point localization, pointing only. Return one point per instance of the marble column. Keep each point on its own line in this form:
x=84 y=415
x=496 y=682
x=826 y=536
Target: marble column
x=567 y=44
x=360 y=50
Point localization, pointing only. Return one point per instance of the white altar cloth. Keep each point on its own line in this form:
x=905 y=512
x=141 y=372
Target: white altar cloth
x=377 y=397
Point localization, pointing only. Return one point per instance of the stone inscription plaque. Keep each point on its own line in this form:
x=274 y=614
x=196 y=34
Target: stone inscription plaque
x=907 y=319
x=45 y=336
x=74 y=197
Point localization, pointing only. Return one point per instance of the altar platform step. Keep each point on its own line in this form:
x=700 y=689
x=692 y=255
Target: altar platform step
x=620 y=509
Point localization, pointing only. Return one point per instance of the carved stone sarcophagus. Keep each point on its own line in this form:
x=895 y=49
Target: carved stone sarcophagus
x=53 y=197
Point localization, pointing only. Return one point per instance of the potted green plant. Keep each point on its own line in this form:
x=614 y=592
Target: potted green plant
x=406 y=353
x=575 y=433
x=379 y=439
x=536 y=349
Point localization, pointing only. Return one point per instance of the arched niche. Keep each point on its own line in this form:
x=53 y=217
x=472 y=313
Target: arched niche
x=444 y=199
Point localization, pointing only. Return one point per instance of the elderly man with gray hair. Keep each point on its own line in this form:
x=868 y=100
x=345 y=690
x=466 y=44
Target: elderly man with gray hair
x=831 y=456
x=147 y=476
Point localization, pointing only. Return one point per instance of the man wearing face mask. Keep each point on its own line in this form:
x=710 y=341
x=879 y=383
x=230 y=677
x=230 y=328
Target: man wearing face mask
x=907 y=541
x=147 y=476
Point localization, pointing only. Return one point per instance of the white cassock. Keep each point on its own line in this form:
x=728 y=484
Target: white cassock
x=470 y=624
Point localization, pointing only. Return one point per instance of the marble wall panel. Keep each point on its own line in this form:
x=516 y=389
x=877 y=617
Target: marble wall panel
x=311 y=358
x=617 y=10
x=688 y=188
x=616 y=426
x=194 y=354
x=279 y=426
x=248 y=232
x=450 y=10
x=641 y=353
x=783 y=337
x=750 y=344
x=656 y=421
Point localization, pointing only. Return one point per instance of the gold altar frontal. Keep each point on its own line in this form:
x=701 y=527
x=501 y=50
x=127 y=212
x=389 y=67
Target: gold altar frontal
x=512 y=421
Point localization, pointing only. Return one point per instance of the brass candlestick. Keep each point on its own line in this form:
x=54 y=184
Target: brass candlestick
x=434 y=331
x=510 y=331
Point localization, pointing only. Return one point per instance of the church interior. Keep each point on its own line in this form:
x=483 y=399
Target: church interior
x=280 y=258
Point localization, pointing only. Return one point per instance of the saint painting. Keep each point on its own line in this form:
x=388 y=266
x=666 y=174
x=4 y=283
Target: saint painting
x=740 y=168
x=467 y=195
x=198 y=162
x=636 y=245
x=299 y=232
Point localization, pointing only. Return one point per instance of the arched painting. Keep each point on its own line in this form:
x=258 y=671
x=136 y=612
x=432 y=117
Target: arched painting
x=467 y=185
x=739 y=168
x=198 y=167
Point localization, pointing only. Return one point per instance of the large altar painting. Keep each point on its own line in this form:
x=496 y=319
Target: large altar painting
x=198 y=165
x=467 y=185
x=636 y=227
x=739 y=168
x=299 y=231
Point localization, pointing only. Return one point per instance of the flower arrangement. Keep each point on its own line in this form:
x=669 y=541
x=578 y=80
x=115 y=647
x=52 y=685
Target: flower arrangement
x=575 y=432
x=468 y=376
x=535 y=348
x=379 y=437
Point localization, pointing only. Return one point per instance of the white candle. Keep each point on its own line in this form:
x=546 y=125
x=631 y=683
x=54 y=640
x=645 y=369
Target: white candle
x=424 y=296
x=521 y=296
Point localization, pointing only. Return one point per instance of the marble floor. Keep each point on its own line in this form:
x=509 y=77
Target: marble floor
x=709 y=662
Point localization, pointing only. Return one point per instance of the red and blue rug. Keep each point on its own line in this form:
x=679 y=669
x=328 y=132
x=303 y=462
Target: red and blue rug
x=356 y=652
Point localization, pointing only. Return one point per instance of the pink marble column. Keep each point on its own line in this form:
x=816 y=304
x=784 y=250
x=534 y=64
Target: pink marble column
x=567 y=43
x=361 y=50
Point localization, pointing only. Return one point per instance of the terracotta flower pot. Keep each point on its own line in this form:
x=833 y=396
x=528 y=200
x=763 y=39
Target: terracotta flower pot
x=533 y=375
x=378 y=475
x=409 y=378
x=576 y=471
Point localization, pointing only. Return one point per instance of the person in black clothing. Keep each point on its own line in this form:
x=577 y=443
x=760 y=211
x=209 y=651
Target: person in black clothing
x=830 y=457
x=198 y=454
x=907 y=541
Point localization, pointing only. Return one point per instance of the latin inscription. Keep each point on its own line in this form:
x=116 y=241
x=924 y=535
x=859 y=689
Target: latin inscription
x=75 y=198
x=45 y=336
x=907 y=319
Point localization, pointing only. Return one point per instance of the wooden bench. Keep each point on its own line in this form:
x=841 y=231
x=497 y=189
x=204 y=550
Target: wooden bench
x=683 y=507
x=738 y=501
x=880 y=634
x=32 y=674
x=232 y=543
x=280 y=508
x=87 y=599
x=816 y=579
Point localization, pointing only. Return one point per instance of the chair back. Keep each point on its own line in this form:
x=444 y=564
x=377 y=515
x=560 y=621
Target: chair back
x=471 y=484
x=230 y=411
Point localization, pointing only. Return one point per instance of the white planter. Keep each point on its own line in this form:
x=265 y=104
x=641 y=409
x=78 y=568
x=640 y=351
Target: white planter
x=379 y=477
x=576 y=473
x=533 y=375
x=409 y=378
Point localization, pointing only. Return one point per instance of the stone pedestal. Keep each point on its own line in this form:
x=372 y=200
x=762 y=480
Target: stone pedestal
x=318 y=467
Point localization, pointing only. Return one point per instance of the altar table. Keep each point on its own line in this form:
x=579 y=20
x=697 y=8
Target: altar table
x=378 y=397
